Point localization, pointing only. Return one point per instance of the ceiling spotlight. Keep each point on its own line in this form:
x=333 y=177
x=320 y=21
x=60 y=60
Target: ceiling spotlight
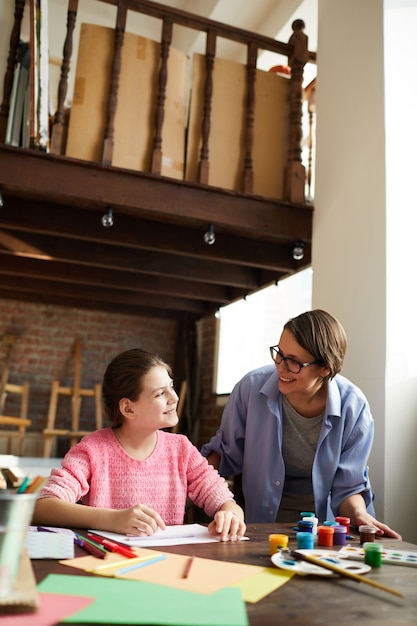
x=298 y=251
x=210 y=236
x=107 y=219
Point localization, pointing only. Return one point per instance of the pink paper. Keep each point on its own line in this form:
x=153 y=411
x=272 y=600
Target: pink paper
x=54 y=607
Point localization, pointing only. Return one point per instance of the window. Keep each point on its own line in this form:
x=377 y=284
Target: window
x=248 y=327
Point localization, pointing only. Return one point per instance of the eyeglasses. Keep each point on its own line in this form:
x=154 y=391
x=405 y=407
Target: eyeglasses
x=292 y=365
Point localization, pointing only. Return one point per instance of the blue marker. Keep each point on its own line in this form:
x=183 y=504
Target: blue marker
x=23 y=485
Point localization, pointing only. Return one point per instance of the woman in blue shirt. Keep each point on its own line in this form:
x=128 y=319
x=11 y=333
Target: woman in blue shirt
x=299 y=432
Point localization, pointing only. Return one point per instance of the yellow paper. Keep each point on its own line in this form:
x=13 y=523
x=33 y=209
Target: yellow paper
x=260 y=585
x=206 y=575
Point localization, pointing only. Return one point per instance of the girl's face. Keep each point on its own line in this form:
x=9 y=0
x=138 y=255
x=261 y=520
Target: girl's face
x=309 y=379
x=156 y=406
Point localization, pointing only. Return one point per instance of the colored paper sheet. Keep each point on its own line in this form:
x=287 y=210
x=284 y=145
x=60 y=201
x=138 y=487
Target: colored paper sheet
x=54 y=607
x=260 y=585
x=127 y=602
x=206 y=575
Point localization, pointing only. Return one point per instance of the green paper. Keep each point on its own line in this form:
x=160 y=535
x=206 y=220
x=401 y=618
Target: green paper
x=133 y=602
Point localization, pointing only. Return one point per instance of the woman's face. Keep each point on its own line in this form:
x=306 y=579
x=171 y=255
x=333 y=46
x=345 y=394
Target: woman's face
x=309 y=379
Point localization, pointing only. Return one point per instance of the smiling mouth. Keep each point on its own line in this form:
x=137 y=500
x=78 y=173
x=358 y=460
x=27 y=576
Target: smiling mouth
x=285 y=380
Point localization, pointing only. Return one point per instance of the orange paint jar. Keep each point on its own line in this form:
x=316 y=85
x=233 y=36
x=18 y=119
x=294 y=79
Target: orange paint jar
x=325 y=535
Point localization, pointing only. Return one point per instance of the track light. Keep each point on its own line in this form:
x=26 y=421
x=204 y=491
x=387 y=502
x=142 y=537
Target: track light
x=107 y=219
x=210 y=236
x=298 y=251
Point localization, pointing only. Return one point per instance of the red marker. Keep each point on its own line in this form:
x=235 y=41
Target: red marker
x=113 y=546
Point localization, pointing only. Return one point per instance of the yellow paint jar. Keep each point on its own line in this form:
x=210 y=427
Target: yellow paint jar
x=277 y=541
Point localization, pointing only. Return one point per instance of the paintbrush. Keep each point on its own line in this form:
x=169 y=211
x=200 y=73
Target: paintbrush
x=338 y=570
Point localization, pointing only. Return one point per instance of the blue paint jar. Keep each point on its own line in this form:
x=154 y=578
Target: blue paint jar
x=305 y=540
x=305 y=526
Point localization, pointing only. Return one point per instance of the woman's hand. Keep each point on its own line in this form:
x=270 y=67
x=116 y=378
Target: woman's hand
x=354 y=507
x=228 y=523
x=382 y=529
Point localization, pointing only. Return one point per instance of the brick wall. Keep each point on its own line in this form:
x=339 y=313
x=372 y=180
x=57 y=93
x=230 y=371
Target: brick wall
x=44 y=352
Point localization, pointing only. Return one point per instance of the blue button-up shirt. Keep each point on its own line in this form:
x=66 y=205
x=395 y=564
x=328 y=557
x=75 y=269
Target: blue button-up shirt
x=249 y=442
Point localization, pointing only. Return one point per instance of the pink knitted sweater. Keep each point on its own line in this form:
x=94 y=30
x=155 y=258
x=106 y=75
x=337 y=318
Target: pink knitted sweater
x=100 y=473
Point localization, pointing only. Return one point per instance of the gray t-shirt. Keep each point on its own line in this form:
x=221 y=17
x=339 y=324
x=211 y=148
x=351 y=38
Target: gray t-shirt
x=299 y=442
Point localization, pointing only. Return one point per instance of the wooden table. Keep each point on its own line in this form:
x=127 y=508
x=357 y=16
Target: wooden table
x=306 y=599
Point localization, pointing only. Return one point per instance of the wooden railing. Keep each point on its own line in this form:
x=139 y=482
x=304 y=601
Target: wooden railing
x=295 y=50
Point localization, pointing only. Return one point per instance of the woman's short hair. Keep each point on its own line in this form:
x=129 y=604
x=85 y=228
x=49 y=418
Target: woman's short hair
x=322 y=335
x=123 y=379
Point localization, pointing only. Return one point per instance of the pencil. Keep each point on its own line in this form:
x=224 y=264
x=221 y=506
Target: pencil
x=36 y=485
x=128 y=562
x=338 y=570
x=188 y=567
x=131 y=568
x=23 y=486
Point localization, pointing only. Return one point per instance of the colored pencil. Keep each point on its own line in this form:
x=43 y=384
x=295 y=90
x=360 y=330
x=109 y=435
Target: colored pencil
x=188 y=567
x=131 y=568
x=127 y=562
x=36 y=484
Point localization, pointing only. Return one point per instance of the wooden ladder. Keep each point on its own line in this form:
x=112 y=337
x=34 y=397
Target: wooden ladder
x=22 y=422
x=76 y=392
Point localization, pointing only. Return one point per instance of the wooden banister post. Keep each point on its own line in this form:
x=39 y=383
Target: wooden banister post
x=294 y=176
x=58 y=125
x=19 y=7
x=160 y=97
x=119 y=34
x=208 y=94
x=250 y=118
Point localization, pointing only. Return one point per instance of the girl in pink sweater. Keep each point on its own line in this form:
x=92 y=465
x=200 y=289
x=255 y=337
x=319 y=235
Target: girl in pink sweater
x=134 y=478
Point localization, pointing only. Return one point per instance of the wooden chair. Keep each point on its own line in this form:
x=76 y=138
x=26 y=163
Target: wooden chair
x=73 y=431
x=22 y=422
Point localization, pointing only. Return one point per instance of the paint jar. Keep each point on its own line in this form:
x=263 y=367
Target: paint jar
x=339 y=536
x=330 y=523
x=305 y=540
x=315 y=523
x=366 y=533
x=325 y=535
x=344 y=521
x=277 y=541
x=373 y=553
x=304 y=514
x=305 y=525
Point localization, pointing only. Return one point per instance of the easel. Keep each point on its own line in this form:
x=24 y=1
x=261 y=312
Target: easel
x=20 y=422
x=74 y=433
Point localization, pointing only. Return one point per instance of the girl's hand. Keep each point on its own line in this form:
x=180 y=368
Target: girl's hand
x=228 y=525
x=139 y=520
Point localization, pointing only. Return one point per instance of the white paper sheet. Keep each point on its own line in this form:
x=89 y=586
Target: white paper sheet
x=171 y=536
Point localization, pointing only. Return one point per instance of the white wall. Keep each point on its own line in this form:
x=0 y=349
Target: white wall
x=357 y=257
x=401 y=372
